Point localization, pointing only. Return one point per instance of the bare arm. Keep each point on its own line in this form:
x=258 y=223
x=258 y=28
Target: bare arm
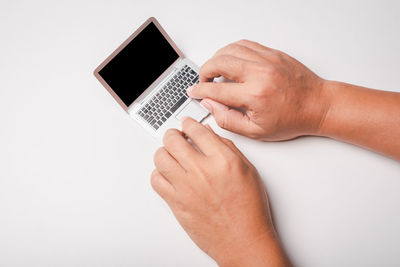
x=365 y=117
x=215 y=192
x=279 y=99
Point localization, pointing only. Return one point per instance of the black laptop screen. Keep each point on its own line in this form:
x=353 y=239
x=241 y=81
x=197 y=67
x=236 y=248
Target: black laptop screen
x=139 y=64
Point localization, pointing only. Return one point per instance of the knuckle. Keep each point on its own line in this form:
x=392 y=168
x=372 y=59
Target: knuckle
x=264 y=67
x=203 y=68
x=257 y=93
x=249 y=43
x=208 y=66
x=279 y=53
x=222 y=119
x=193 y=128
x=158 y=155
x=154 y=179
x=222 y=58
x=220 y=51
x=230 y=161
x=227 y=49
x=182 y=206
x=169 y=135
x=242 y=41
x=228 y=141
x=195 y=131
x=233 y=47
x=277 y=56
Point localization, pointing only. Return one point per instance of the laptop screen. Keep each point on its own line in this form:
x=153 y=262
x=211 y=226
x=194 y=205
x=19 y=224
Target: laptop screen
x=139 y=64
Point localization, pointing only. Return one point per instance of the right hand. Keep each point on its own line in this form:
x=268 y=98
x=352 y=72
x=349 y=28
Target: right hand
x=273 y=96
x=217 y=196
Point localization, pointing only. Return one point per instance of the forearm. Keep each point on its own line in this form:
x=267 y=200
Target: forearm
x=364 y=117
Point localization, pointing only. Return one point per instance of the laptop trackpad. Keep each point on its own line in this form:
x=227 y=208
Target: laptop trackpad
x=194 y=110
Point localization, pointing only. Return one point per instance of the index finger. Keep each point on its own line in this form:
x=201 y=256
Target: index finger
x=230 y=94
x=180 y=149
x=228 y=66
x=206 y=141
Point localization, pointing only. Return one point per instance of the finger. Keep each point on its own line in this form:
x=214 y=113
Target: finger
x=207 y=142
x=180 y=149
x=227 y=118
x=233 y=147
x=168 y=166
x=229 y=144
x=227 y=66
x=240 y=51
x=209 y=127
x=230 y=94
x=162 y=186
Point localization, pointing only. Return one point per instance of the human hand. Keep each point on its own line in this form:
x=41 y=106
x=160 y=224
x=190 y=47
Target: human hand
x=217 y=196
x=274 y=97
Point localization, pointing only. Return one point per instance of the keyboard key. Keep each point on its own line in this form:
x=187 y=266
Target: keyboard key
x=178 y=104
x=167 y=100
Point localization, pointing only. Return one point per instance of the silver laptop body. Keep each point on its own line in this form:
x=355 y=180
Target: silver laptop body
x=148 y=76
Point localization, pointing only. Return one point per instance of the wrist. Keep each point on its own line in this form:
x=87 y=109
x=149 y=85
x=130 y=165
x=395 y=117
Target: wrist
x=264 y=251
x=318 y=108
x=327 y=123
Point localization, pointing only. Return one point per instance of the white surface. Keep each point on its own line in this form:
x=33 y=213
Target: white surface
x=74 y=175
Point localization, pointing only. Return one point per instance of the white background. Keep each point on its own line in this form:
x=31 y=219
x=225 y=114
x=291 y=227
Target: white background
x=74 y=168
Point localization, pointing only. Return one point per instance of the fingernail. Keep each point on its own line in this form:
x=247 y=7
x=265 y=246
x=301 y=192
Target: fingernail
x=206 y=105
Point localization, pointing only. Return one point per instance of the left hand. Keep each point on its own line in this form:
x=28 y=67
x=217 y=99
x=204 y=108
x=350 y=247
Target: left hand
x=217 y=196
x=273 y=97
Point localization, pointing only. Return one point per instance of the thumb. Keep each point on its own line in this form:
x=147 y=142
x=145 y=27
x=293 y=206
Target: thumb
x=227 y=118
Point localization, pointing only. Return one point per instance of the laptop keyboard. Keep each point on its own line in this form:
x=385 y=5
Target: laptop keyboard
x=169 y=98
